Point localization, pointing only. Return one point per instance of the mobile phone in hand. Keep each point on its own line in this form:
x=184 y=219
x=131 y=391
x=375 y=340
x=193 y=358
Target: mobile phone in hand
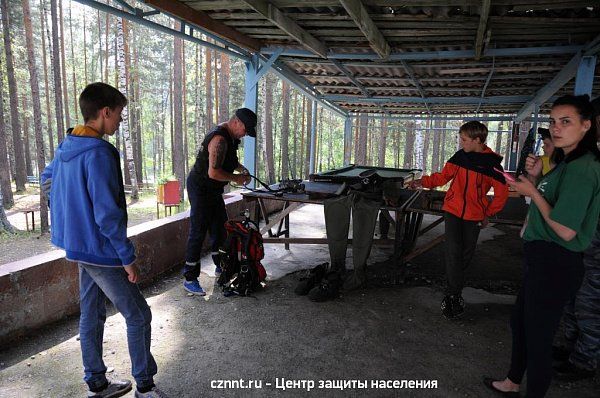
x=506 y=175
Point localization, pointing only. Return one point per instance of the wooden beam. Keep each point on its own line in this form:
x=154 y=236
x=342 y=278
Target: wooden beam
x=288 y=25
x=483 y=18
x=360 y=15
x=237 y=5
x=550 y=5
x=526 y=5
x=204 y=21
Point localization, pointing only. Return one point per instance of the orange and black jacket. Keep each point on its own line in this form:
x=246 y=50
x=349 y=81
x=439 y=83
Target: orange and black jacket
x=472 y=175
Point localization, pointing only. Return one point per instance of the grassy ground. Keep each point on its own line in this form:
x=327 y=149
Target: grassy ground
x=23 y=243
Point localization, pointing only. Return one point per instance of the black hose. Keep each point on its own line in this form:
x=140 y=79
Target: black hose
x=268 y=188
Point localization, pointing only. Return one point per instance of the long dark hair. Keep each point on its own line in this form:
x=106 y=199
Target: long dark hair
x=589 y=141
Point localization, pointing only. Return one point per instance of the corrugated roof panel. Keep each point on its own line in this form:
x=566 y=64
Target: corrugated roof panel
x=446 y=30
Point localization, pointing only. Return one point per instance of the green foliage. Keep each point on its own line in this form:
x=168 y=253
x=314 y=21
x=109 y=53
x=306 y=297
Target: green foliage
x=163 y=179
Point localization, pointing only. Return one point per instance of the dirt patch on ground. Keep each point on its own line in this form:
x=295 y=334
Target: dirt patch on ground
x=389 y=331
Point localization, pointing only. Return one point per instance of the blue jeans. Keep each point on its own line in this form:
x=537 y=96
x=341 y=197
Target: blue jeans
x=96 y=284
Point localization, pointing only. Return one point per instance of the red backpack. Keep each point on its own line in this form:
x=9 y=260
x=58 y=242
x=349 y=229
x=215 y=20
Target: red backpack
x=241 y=270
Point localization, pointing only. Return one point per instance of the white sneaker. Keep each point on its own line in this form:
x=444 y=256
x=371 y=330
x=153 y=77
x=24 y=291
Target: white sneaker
x=154 y=393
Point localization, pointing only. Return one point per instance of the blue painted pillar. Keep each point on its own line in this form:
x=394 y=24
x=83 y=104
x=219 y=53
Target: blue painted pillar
x=313 y=139
x=347 y=140
x=251 y=102
x=514 y=147
x=536 y=111
x=585 y=76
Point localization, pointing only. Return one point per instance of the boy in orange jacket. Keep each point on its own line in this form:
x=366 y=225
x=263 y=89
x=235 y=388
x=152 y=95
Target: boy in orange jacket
x=473 y=170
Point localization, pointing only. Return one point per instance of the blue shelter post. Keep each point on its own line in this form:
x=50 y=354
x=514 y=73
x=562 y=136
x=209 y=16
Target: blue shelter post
x=514 y=147
x=251 y=102
x=536 y=113
x=313 y=139
x=584 y=80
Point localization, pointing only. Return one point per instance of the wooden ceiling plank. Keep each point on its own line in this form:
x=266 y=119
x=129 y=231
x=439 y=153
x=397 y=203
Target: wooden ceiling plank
x=360 y=15
x=550 y=5
x=203 y=20
x=289 y=26
x=482 y=28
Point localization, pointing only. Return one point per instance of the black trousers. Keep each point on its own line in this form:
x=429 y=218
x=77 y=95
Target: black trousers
x=552 y=277
x=207 y=214
x=461 y=240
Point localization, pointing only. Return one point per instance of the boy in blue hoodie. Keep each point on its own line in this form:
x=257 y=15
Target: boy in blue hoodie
x=89 y=221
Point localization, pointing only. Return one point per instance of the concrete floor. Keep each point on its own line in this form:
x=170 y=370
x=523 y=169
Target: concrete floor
x=386 y=332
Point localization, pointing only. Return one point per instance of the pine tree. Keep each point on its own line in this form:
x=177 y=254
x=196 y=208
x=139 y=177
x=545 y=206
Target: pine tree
x=6 y=191
x=37 y=110
x=419 y=144
x=46 y=85
x=197 y=102
x=209 y=124
x=63 y=61
x=427 y=140
x=360 y=153
x=268 y=128
x=177 y=159
x=409 y=145
x=17 y=141
x=26 y=142
x=56 y=70
x=4 y=223
x=130 y=164
x=224 y=87
x=383 y=142
x=74 y=82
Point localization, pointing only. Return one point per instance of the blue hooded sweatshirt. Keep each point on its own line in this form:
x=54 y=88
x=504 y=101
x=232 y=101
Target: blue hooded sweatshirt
x=87 y=202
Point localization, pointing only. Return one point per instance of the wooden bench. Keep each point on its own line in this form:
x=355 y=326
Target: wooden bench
x=141 y=188
x=27 y=211
x=33 y=180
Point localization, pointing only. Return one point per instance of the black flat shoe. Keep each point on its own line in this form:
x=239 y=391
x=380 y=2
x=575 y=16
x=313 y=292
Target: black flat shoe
x=488 y=383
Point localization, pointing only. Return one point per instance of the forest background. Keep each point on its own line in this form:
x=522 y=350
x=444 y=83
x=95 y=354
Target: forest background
x=177 y=91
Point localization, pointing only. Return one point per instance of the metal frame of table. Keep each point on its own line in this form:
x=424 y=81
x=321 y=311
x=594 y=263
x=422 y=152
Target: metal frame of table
x=407 y=224
x=407 y=220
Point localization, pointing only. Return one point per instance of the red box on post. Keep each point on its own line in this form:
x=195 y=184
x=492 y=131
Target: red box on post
x=168 y=193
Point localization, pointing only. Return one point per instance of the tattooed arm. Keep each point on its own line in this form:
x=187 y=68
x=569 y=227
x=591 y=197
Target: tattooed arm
x=217 y=149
